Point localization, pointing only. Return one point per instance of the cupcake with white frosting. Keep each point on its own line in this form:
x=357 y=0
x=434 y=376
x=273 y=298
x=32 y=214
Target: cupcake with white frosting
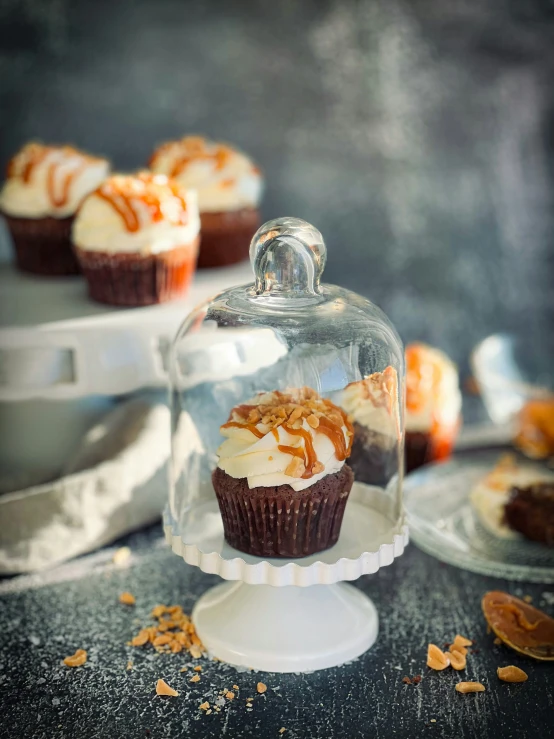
x=372 y=404
x=229 y=187
x=136 y=238
x=433 y=405
x=45 y=186
x=281 y=480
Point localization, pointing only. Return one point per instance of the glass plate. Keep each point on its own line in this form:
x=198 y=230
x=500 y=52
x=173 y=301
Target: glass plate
x=441 y=523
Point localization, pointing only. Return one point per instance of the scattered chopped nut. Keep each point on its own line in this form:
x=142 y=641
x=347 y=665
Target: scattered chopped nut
x=282 y=730
x=512 y=674
x=436 y=659
x=195 y=651
x=527 y=598
x=235 y=687
x=229 y=695
x=261 y=687
x=295 y=468
x=183 y=669
x=204 y=706
x=121 y=555
x=497 y=641
x=460 y=650
x=433 y=720
x=470 y=687
x=173 y=632
x=208 y=711
x=195 y=679
x=249 y=705
x=458 y=660
x=77 y=659
x=317 y=468
x=313 y=421
x=197 y=668
x=128 y=599
x=162 y=688
x=129 y=665
x=461 y=641
x=141 y=638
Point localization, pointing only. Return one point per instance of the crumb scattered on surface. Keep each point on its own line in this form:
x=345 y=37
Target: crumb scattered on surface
x=282 y=730
x=183 y=669
x=204 y=706
x=512 y=674
x=198 y=668
x=470 y=687
x=261 y=687
x=174 y=632
x=249 y=705
x=77 y=659
x=229 y=695
x=195 y=679
x=128 y=599
x=121 y=556
x=129 y=665
x=162 y=688
x=235 y=687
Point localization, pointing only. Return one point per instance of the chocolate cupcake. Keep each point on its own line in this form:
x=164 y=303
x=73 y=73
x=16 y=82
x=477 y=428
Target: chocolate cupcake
x=281 y=482
x=229 y=188
x=43 y=189
x=136 y=238
x=372 y=404
x=433 y=406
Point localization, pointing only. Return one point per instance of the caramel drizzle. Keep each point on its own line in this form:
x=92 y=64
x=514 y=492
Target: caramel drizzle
x=35 y=156
x=519 y=616
x=248 y=426
x=194 y=149
x=310 y=457
x=121 y=201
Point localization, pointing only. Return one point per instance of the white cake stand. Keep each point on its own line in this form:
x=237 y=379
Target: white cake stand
x=289 y=615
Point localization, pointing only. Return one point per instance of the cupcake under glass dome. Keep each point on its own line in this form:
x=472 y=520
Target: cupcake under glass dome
x=287 y=414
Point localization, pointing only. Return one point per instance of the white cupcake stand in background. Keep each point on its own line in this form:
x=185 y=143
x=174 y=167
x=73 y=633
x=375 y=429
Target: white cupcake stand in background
x=290 y=615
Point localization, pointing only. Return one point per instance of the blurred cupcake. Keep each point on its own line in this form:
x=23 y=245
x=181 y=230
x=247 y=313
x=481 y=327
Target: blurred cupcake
x=229 y=188
x=281 y=480
x=373 y=407
x=136 y=238
x=44 y=187
x=433 y=405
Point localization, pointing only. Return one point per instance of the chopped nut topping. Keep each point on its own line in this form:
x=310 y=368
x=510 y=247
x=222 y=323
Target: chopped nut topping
x=195 y=679
x=77 y=659
x=313 y=421
x=437 y=659
x=261 y=687
x=512 y=674
x=127 y=599
x=457 y=648
x=470 y=687
x=317 y=468
x=162 y=688
x=295 y=468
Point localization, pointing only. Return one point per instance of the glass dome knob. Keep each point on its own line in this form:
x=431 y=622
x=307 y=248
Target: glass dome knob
x=288 y=256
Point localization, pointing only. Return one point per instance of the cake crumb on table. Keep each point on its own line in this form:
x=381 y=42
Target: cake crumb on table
x=162 y=688
x=261 y=687
x=128 y=599
x=77 y=659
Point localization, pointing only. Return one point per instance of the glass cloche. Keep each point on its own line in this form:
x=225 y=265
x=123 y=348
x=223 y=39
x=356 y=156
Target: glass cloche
x=287 y=413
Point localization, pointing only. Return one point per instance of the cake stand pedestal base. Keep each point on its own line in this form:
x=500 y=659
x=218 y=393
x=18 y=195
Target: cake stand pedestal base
x=285 y=629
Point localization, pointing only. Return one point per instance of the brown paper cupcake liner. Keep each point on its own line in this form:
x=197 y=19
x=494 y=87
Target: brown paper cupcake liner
x=43 y=245
x=279 y=521
x=134 y=280
x=226 y=236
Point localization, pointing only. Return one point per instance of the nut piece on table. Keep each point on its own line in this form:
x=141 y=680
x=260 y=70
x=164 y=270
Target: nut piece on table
x=162 y=688
x=458 y=660
x=128 y=599
x=77 y=659
x=470 y=687
x=436 y=658
x=512 y=674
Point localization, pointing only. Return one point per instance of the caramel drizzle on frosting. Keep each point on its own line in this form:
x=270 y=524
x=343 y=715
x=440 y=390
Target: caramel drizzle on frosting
x=34 y=154
x=195 y=148
x=149 y=189
x=381 y=389
x=289 y=411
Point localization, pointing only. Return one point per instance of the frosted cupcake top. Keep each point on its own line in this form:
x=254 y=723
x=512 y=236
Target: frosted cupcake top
x=373 y=402
x=50 y=181
x=285 y=438
x=433 y=398
x=224 y=178
x=143 y=213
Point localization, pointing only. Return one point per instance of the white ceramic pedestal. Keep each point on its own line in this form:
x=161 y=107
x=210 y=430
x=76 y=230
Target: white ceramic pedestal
x=287 y=629
x=289 y=615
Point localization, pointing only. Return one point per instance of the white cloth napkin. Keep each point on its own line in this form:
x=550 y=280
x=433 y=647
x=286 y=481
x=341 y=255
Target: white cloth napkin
x=116 y=482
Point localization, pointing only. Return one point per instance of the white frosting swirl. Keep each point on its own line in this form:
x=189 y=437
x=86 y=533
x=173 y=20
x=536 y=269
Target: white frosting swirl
x=100 y=227
x=263 y=464
x=373 y=402
x=224 y=178
x=433 y=397
x=37 y=177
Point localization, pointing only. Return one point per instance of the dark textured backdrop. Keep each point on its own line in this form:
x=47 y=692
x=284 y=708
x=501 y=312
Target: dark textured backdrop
x=416 y=135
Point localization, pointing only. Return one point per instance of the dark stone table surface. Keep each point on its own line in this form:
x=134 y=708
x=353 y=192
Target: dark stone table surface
x=44 y=618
